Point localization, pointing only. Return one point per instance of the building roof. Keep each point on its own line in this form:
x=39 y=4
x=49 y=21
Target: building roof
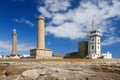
x=57 y=55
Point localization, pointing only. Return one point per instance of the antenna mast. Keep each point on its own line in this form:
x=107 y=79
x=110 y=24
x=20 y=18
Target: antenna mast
x=93 y=27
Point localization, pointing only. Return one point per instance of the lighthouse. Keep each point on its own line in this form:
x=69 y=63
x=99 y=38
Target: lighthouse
x=41 y=52
x=41 y=34
x=14 y=43
x=94 y=42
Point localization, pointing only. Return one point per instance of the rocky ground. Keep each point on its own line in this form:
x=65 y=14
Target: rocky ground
x=60 y=69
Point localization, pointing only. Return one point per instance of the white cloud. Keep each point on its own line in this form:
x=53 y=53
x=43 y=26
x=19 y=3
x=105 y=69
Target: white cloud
x=57 y=5
x=25 y=21
x=58 y=19
x=74 y=23
x=66 y=30
x=111 y=40
x=44 y=12
x=7 y=46
x=53 y=6
x=25 y=47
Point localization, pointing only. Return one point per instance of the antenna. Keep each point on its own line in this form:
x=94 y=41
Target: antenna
x=93 y=24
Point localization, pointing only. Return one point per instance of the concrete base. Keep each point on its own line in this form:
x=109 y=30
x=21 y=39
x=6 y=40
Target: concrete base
x=94 y=56
x=41 y=53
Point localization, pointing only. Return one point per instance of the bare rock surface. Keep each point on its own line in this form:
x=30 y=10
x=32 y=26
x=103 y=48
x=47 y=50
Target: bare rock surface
x=60 y=70
x=34 y=73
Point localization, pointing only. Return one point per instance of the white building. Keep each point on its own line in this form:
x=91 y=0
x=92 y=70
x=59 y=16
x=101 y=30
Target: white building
x=15 y=57
x=0 y=57
x=107 y=55
x=94 y=44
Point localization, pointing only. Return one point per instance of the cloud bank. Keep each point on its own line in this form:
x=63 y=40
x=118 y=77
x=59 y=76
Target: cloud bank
x=6 y=46
x=73 y=21
x=24 y=21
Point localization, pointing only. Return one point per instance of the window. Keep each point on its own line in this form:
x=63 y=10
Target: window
x=92 y=39
x=92 y=47
x=98 y=41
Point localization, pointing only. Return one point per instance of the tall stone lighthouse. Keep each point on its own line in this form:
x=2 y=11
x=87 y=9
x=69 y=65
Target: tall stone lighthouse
x=41 y=52
x=94 y=44
x=41 y=34
x=14 y=43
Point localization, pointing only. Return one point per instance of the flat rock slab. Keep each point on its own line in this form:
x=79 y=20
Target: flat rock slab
x=33 y=74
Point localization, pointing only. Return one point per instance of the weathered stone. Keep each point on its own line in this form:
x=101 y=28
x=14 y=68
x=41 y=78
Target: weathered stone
x=63 y=70
x=19 y=77
x=26 y=78
x=40 y=78
x=34 y=73
x=2 y=73
x=76 y=78
x=14 y=71
x=41 y=72
x=51 y=78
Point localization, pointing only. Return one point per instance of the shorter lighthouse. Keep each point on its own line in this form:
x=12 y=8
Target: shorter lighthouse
x=14 y=43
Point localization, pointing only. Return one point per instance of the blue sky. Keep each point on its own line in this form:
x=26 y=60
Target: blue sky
x=66 y=23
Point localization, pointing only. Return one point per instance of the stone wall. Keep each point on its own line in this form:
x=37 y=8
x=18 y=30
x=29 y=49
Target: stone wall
x=41 y=53
x=82 y=51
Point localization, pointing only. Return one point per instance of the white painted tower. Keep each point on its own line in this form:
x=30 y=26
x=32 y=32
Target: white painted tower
x=94 y=44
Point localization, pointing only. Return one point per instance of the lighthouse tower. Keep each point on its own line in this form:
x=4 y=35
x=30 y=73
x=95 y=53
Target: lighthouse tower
x=14 y=43
x=94 y=44
x=41 y=52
